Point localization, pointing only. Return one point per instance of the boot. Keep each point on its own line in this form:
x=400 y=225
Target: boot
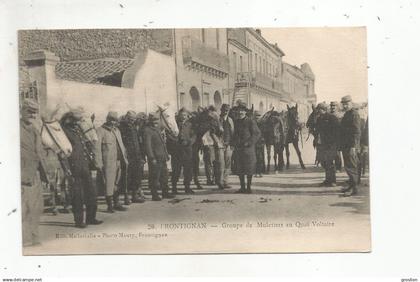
x=174 y=189
x=167 y=195
x=109 y=203
x=117 y=205
x=127 y=201
x=135 y=198
x=248 y=184
x=155 y=197
x=188 y=190
x=197 y=183
x=242 y=189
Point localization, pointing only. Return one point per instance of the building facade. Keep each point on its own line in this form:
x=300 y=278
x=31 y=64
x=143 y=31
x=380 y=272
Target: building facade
x=298 y=83
x=259 y=83
x=259 y=77
x=191 y=68
x=202 y=67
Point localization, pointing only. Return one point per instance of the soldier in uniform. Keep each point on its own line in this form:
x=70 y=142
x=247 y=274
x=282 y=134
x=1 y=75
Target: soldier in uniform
x=182 y=157
x=110 y=154
x=141 y=120
x=216 y=134
x=136 y=158
x=228 y=130
x=244 y=157
x=31 y=161
x=208 y=157
x=157 y=156
x=259 y=148
x=350 y=143
x=82 y=189
x=334 y=109
x=328 y=130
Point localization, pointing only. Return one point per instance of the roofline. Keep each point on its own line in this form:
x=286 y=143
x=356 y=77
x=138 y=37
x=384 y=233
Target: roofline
x=265 y=42
x=238 y=44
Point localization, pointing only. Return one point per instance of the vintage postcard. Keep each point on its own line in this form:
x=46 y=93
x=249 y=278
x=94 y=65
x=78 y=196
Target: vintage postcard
x=191 y=141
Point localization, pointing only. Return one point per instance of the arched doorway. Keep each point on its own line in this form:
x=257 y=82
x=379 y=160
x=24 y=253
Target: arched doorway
x=195 y=98
x=261 y=107
x=217 y=100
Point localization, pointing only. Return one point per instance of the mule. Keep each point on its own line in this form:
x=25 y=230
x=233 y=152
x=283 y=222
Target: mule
x=294 y=129
x=57 y=148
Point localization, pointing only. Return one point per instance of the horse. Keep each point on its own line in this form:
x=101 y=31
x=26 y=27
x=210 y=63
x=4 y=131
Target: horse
x=203 y=121
x=294 y=129
x=311 y=125
x=56 y=149
x=273 y=130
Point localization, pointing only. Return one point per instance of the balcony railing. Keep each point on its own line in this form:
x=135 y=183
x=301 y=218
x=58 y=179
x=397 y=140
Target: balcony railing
x=199 y=55
x=254 y=78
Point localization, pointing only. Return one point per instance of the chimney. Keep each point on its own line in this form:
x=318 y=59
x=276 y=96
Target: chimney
x=258 y=31
x=41 y=68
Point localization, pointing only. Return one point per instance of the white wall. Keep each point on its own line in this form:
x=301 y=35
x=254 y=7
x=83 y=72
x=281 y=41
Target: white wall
x=154 y=85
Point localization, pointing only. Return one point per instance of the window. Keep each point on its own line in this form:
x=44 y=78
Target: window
x=217 y=39
x=260 y=65
x=250 y=61
x=182 y=101
x=206 y=100
x=240 y=64
x=256 y=61
x=235 y=67
x=203 y=35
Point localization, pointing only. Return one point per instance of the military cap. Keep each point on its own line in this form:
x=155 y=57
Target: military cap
x=346 y=99
x=225 y=107
x=112 y=116
x=154 y=116
x=241 y=105
x=141 y=115
x=78 y=113
x=322 y=106
x=30 y=105
x=183 y=110
x=131 y=115
x=334 y=103
x=211 y=108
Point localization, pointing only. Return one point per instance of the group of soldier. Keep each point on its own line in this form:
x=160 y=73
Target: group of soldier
x=337 y=134
x=125 y=144
x=117 y=159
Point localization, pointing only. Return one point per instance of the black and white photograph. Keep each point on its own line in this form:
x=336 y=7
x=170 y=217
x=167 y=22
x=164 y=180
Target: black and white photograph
x=150 y=141
x=266 y=140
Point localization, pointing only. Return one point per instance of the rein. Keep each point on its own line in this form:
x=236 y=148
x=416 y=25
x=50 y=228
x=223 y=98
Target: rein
x=166 y=124
x=51 y=135
x=87 y=130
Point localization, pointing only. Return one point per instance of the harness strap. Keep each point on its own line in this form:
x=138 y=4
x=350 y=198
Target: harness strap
x=52 y=137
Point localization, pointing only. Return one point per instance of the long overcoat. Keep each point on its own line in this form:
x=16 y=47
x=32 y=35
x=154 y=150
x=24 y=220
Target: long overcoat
x=245 y=137
x=111 y=152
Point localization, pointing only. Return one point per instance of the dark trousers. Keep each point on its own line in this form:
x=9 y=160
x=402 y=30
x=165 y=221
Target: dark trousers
x=158 y=177
x=351 y=162
x=329 y=168
x=135 y=173
x=219 y=165
x=209 y=158
x=83 y=193
x=182 y=161
x=337 y=161
x=260 y=168
x=196 y=161
x=32 y=207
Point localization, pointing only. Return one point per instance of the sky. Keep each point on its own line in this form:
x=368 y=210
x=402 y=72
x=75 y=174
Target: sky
x=337 y=57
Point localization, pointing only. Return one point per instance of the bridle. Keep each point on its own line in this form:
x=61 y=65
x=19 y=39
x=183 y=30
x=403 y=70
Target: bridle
x=44 y=125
